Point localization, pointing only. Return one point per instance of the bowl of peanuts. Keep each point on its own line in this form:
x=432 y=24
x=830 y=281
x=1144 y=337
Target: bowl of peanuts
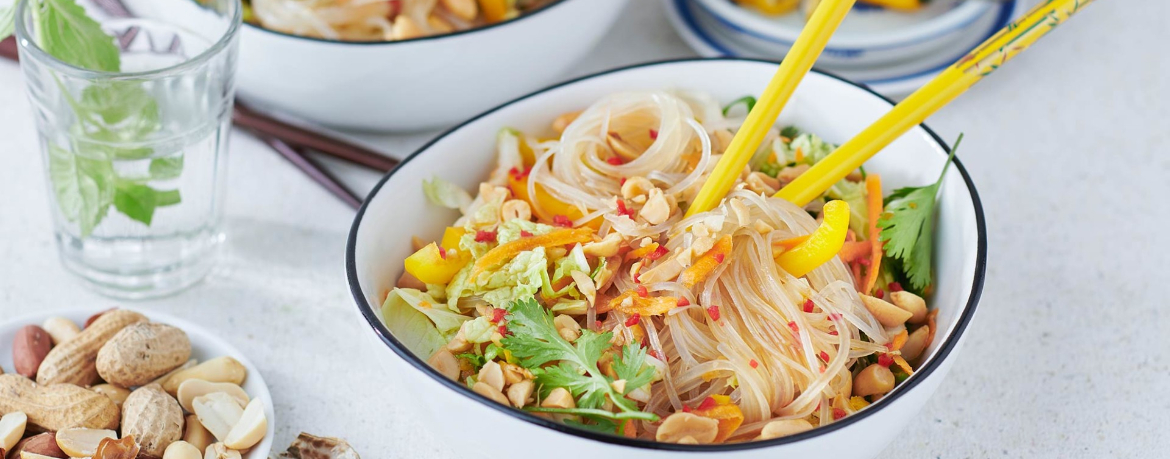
x=123 y=384
x=420 y=78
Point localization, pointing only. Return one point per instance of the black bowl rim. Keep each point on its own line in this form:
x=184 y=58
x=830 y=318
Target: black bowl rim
x=947 y=347
x=514 y=20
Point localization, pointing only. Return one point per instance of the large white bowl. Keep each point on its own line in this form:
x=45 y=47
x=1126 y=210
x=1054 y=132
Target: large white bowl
x=869 y=36
x=824 y=104
x=422 y=83
x=204 y=346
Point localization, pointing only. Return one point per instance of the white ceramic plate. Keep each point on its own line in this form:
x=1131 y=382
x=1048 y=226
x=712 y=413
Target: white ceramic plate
x=204 y=346
x=706 y=36
x=823 y=104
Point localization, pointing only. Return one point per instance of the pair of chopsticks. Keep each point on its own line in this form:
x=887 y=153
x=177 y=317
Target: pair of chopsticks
x=952 y=82
x=292 y=142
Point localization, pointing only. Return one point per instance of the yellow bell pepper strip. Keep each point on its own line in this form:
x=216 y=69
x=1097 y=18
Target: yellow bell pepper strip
x=771 y=7
x=434 y=265
x=518 y=183
x=494 y=10
x=729 y=415
x=857 y=403
x=451 y=237
x=701 y=268
x=643 y=306
x=822 y=245
x=904 y=5
x=905 y=366
x=504 y=252
x=873 y=204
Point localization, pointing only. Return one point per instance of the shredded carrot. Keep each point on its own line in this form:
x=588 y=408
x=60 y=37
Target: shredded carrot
x=905 y=366
x=642 y=252
x=505 y=252
x=899 y=340
x=629 y=429
x=729 y=416
x=799 y=156
x=873 y=198
x=853 y=251
x=698 y=272
x=644 y=306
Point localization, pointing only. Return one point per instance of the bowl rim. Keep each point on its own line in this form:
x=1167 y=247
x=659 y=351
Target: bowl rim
x=748 y=22
x=934 y=364
x=250 y=26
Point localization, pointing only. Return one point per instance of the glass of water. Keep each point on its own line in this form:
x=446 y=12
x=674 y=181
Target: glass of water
x=135 y=153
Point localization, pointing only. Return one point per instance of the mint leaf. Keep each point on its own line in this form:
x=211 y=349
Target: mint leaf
x=84 y=187
x=115 y=101
x=68 y=34
x=139 y=201
x=166 y=168
x=167 y=198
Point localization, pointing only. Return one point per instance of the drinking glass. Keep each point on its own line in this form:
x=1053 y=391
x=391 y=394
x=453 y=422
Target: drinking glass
x=135 y=156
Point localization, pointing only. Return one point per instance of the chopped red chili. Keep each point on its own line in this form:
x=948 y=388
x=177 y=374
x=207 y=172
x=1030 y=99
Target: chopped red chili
x=614 y=160
x=654 y=134
x=623 y=210
x=713 y=311
x=838 y=413
x=824 y=356
x=563 y=221
x=895 y=287
x=498 y=315
x=833 y=332
x=686 y=409
x=633 y=320
x=879 y=294
x=641 y=291
x=754 y=363
x=808 y=305
x=485 y=236
x=707 y=404
x=443 y=253
x=524 y=233
x=719 y=258
x=683 y=301
x=885 y=360
x=792 y=326
x=503 y=329
x=657 y=253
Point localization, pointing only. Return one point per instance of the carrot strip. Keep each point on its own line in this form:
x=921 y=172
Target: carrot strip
x=701 y=268
x=899 y=340
x=854 y=251
x=873 y=197
x=505 y=252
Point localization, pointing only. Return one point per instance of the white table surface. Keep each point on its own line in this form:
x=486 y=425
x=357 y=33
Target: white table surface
x=1067 y=357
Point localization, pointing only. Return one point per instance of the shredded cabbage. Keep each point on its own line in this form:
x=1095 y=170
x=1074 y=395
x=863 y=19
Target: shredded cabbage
x=411 y=327
x=446 y=194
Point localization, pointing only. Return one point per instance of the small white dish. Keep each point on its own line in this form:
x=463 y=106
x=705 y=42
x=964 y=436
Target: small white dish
x=829 y=106
x=204 y=346
x=417 y=84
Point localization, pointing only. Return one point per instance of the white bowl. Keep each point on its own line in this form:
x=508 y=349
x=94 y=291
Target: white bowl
x=830 y=107
x=204 y=346
x=869 y=36
x=422 y=83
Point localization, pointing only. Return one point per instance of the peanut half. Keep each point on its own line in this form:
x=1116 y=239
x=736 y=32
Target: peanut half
x=82 y=442
x=75 y=361
x=61 y=329
x=196 y=434
x=182 y=450
x=116 y=394
x=221 y=369
x=220 y=451
x=12 y=429
x=218 y=412
x=43 y=444
x=152 y=417
x=192 y=388
x=29 y=349
x=252 y=426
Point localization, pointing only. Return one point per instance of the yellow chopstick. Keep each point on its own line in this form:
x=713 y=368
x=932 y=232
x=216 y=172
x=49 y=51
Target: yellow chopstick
x=795 y=66
x=944 y=88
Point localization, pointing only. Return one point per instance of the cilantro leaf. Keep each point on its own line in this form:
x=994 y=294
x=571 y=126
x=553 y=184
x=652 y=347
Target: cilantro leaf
x=907 y=227
x=747 y=101
x=68 y=34
x=631 y=366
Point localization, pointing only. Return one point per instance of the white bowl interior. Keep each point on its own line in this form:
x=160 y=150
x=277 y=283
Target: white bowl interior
x=204 y=346
x=822 y=104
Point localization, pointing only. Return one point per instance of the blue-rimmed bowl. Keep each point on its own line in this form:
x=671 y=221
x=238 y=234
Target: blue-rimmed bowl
x=869 y=36
x=475 y=426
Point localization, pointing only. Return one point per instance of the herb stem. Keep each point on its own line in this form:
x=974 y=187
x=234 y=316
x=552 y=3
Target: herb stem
x=596 y=412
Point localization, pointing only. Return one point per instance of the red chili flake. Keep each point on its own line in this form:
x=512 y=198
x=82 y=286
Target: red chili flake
x=525 y=234
x=838 y=413
x=498 y=315
x=719 y=258
x=834 y=316
x=485 y=236
x=833 y=332
x=519 y=174
x=713 y=311
x=707 y=404
x=794 y=327
x=895 y=287
x=879 y=293
x=686 y=409
x=638 y=278
x=597 y=324
x=808 y=305
x=885 y=360
x=657 y=253
x=863 y=262
x=754 y=363
x=633 y=320
x=824 y=356
x=890 y=345
x=515 y=171
x=443 y=253
x=622 y=182
x=503 y=329
x=683 y=301
x=562 y=221
x=654 y=134
x=623 y=210
x=615 y=160
x=822 y=368
x=641 y=291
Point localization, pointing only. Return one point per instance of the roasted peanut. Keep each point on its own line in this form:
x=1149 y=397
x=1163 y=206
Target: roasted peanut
x=182 y=450
x=678 y=426
x=44 y=445
x=29 y=348
x=82 y=442
x=563 y=121
x=915 y=343
x=912 y=303
x=608 y=246
x=221 y=369
x=885 y=313
x=783 y=428
x=657 y=209
x=873 y=380
x=250 y=429
x=57 y=406
x=197 y=435
x=515 y=209
x=61 y=329
x=444 y=361
x=153 y=418
x=488 y=391
x=559 y=398
x=567 y=327
x=218 y=412
x=220 y=451
x=192 y=388
x=12 y=429
x=519 y=392
x=464 y=9
x=142 y=352
x=492 y=375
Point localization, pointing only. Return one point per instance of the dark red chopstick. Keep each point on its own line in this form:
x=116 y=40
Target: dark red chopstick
x=313 y=170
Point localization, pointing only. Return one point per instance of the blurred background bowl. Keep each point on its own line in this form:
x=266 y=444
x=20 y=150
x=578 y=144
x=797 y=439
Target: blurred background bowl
x=421 y=83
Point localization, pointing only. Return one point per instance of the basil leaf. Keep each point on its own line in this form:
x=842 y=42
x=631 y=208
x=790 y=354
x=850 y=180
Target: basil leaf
x=84 y=187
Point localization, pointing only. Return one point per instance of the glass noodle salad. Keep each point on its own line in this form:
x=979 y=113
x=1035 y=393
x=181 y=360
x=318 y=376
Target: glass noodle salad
x=574 y=288
x=382 y=20
x=779 y=7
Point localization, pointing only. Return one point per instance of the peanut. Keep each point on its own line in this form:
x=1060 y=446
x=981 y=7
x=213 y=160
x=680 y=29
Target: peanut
x=32 y=455
x=873 y=380
x=220 y=451
x=465 y=9
x=885 y=313
x=44 y=445
x=679 y=426
x=29 y=348
x=250 y=429
x=154 y=418
x=559 y=398
x=563 y=121
x=492 y=375
x=783 y=428
x=912 y=303
x=141 y=352
x=61 y=329
x=446 y=364
x=192 y=388
x=221 y=369
x=182 y=450
x=75 y=361
x=162 y=379
x=116 y=394
x=915 y=343
x=218 y=412
x=12 y=429
x=196 y=434
x=59 y=406
x=518 y=393
x=488 y=391
x=82 y=442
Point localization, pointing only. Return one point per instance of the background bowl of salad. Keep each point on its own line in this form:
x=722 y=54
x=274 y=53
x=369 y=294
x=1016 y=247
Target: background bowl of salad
x=397 y=209
x=416 y=82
